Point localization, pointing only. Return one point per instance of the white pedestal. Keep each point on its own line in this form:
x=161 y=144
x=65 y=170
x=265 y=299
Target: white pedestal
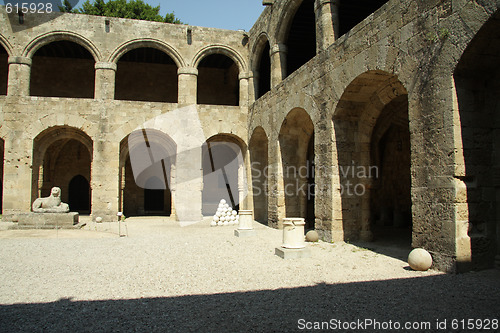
x=293 y=233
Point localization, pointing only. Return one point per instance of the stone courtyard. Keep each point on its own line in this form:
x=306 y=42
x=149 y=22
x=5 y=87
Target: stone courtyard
x=372 y=120
x=162 y=277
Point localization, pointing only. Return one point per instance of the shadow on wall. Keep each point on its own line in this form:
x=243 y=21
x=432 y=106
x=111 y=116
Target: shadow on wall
x=416 y=300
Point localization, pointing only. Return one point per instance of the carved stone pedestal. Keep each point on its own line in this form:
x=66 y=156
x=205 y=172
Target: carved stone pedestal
x=48 y=220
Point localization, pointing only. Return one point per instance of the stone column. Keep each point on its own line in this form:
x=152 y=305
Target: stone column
x=122 y=188
x=105 y=80
x=188 y=185
x=243 y=77
x=327 y=23
x=252 y=87
x=40 y=180
x=278 y=64
x=172 y=185
x=242 y=187
x=188 y=79
x=105 y=182
x=19 y=76
x=276 y=199
x=17 y=187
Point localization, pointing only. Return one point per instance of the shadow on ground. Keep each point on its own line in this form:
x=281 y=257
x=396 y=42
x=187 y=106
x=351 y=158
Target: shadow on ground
x=471 y=295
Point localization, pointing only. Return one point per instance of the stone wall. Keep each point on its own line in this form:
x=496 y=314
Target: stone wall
x=405 y=48
x=399 y=91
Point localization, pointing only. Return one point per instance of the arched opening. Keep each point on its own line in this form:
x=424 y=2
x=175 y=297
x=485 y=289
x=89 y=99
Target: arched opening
x=264 y=71
x=297 y=152
x=62 y=157
x=146 y=74
x=352 y=12
x=4 y=70
x=62 y=69
x=373 y=150
x=223 y=173
x=147 y=164
x=2 y=161
x=258 y=148
x=477 y=83
x=154 y=196
x=218 y=81
x=301 y=40
x=390 y=195
x=79 y=195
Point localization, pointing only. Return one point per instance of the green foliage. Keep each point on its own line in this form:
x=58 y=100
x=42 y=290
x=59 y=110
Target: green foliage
x=66 y=7
x=134 y=9
x=435 y=37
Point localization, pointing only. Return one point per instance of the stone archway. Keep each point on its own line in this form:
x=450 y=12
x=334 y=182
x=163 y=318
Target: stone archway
x=62 y=156
x=63 y=68
x=372 y=142
x=4 y=70
x=224 y=175
x=147 y=170
x=296 y=146
x=477 y=83
x=146 y=74
x=258 y=149
x=218 y=82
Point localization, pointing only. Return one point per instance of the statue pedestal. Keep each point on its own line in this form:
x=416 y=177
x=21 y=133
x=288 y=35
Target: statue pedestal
x=48 y=220
x=244 y=233
x=285 y=253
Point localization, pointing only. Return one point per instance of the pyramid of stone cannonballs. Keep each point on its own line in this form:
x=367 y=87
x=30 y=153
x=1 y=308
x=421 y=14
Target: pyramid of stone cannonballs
x=225 y=215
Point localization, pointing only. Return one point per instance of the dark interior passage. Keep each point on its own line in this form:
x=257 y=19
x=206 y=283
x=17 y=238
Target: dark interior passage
x=146 y=74
x=218 y=82
x=62 y=69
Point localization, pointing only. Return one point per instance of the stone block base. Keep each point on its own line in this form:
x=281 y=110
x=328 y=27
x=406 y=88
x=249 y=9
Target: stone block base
x=48 y=220
x=292 y=253
x=244 y=233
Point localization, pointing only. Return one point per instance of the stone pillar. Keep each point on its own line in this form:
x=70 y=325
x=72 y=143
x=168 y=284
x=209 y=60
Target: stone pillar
x=276 y=202
x=19 y=76
x=278 y=64
x=172 y=191
x=105 y=80
x=242 y=187
x=40 y=180
x=249 y=189
x=327 y=23
x=188 y=185
x=252 y=87
x=122 y=188
x=188 y=79
x=105 y=182
x=17 y=187
x=243 y=77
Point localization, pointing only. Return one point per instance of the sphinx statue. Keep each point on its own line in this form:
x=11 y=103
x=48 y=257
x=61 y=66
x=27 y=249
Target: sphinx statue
x=50 y=204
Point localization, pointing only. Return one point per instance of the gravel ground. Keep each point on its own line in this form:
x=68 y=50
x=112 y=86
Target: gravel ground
x=166 y=278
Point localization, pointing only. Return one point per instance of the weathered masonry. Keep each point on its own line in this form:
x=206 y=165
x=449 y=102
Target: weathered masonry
x=370 y=119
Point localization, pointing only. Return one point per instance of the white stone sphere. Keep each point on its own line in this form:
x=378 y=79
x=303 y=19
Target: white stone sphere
x=213 y=223
x=98 y=219
x=419 y=259
x=312 y=236
x=216 y=218
x=220 y=223
x=234 y=213
x=223 y=201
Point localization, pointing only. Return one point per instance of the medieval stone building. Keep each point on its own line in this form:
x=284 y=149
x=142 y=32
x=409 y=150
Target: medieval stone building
x=369 y=118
